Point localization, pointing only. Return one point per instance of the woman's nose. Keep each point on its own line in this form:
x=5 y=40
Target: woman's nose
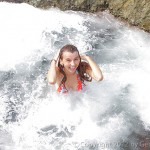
x=72 y=63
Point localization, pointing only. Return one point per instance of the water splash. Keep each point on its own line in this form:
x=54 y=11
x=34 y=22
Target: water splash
x=112 y=114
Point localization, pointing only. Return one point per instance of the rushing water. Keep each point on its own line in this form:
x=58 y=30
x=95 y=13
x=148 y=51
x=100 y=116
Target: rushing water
x=111 y=115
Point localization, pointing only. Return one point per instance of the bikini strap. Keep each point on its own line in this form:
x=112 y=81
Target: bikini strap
x=78 y=76
x=80 y=84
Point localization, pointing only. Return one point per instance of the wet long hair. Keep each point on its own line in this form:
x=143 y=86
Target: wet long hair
x=83 y=66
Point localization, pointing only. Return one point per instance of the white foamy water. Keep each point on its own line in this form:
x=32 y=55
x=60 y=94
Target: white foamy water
x=112 y=114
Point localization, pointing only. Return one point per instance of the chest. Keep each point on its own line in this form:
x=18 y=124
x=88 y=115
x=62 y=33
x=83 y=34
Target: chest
x=72 y=83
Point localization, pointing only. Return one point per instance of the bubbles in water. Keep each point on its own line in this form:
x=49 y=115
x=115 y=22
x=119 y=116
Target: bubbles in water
x=111 y=114
x=86 y=48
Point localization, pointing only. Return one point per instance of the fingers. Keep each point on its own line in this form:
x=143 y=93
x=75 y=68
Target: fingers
x=83 y=57
x=56 y=57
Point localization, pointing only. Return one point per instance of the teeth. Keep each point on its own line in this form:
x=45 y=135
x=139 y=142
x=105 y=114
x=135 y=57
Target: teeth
x=72 y=67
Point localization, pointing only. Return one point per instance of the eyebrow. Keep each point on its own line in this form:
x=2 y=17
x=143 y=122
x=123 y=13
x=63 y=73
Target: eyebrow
x=77 y=57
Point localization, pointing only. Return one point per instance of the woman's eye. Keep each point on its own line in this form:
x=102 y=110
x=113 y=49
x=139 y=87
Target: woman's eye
x=76 y=59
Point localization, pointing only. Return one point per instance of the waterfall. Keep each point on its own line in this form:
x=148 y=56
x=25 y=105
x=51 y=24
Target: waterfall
x=112 y=114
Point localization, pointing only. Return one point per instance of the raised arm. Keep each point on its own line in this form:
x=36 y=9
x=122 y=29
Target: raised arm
x=94 y=71
x=53 y=71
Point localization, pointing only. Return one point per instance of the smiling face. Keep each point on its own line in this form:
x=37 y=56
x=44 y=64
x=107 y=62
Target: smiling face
x=70 y=61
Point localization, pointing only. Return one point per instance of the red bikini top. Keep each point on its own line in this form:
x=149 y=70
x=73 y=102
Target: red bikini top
x=62 y=89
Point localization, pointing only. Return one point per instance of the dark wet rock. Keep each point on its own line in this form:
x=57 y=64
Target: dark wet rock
x=49 y=128
x=136 y=12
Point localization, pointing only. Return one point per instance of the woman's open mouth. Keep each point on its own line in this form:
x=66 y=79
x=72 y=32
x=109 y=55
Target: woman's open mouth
x=72 y=68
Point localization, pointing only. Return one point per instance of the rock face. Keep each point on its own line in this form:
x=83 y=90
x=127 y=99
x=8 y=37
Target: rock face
x=136 y=12
x=77 y=5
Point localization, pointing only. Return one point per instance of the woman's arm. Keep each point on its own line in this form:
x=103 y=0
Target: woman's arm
x=53 y=71
x=94 y=71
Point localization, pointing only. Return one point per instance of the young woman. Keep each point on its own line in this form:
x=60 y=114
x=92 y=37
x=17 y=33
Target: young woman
x=69 y=70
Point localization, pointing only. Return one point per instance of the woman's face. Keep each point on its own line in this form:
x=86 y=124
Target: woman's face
x=70 y=61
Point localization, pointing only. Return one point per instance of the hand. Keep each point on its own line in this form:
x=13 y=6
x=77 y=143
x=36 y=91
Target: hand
x=56 y=57
x=84 y=57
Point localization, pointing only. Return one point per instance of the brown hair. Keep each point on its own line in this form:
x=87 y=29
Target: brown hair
x=83 y=66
